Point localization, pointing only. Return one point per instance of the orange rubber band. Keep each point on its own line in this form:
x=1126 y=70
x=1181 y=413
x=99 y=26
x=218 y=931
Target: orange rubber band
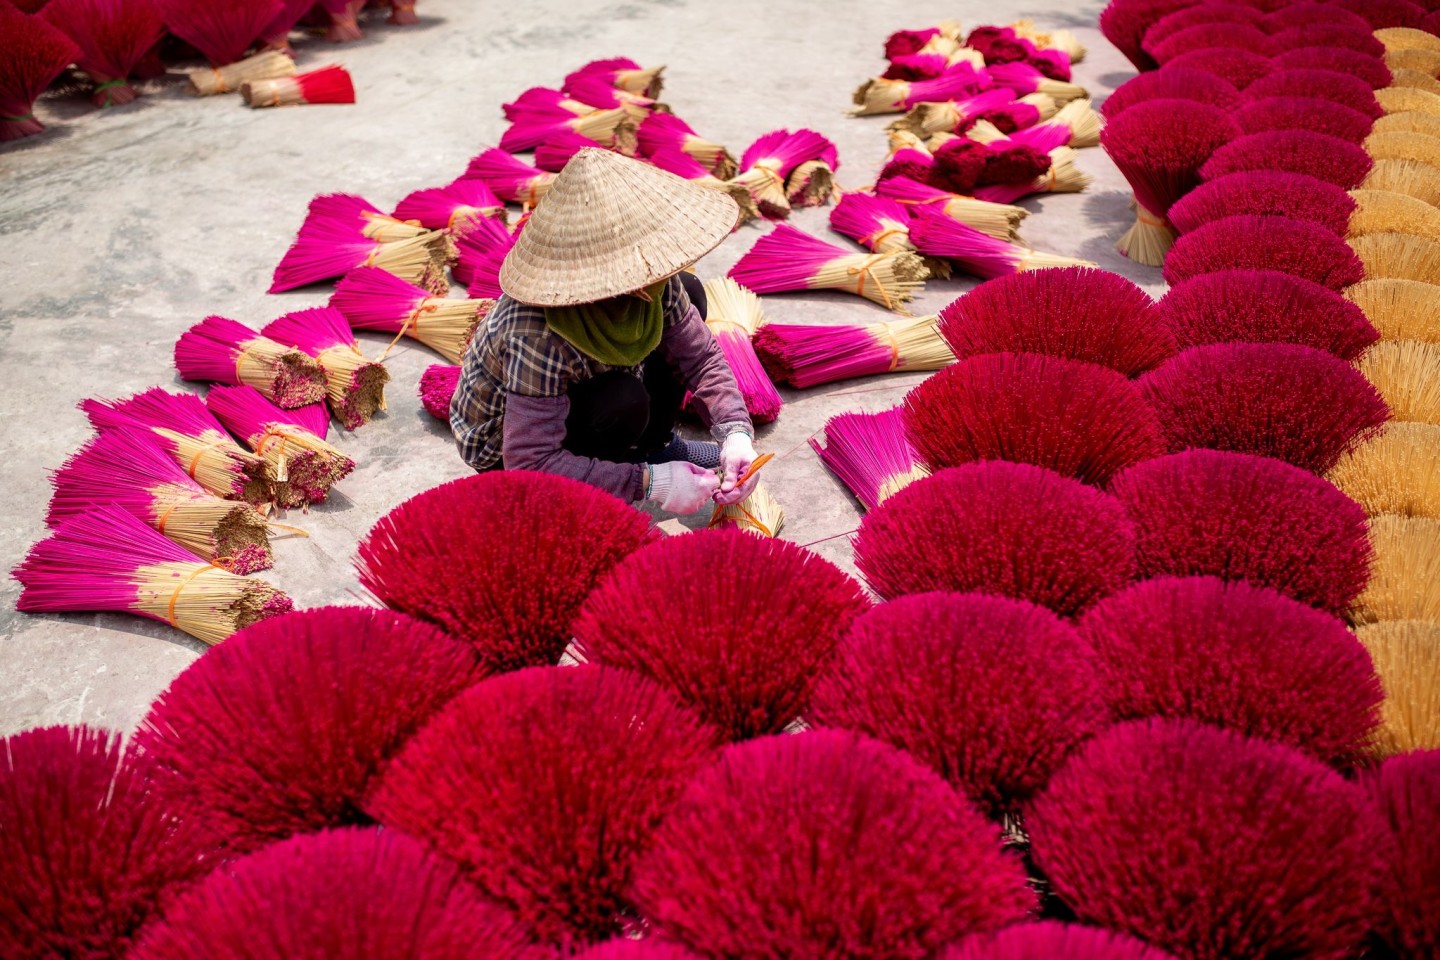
x=195 y=460
x=160 y=524
x=1149 y=219
x=880 y=236
x=425 y=306
x=861 y=271
x=216 y=564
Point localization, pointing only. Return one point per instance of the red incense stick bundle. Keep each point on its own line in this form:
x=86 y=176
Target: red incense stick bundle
x=623 y=73
x=107 y=560
x=1239 y=68
x=344 y=20
x=919 y=66
x=1327 y=35
x=1172 y=83
x=223 y=351
x=113 y=36
x=871 y=454
x=992 y=219
x=192 y=436
x=1202 y=13
x=1352 y=62
x=1265 y=193
x=1160 y=146
x=787 y=259
x=437 y=389
x=276 y=35
x=879 y=95
x=322 y=255
x=1125 y=22
x=330 y=84
x=733 y=316
x=1265 y=243
x=1342 y=88
x=304 y=466
x=662 y=130
x=1331 y=159
x=354 y=386
x=684 y=165
x=976 y=253
x=222 y=30
x=372 y=299
x=33 y=54
x=510 y=179
x=455 y=207
x=1061 y=176
x=1304 y=113
x=1210 y=36
x=1074 y=125
x=807 y=355
x=126 y=467
x=770 y=159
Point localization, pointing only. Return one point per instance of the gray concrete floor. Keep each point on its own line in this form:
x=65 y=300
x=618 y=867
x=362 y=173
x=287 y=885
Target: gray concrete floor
x=120 y=229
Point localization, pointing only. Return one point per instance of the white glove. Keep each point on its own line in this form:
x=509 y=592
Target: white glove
x=736 y=456
x=681 y=487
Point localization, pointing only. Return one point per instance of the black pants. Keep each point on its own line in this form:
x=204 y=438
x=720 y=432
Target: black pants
x=620 y=418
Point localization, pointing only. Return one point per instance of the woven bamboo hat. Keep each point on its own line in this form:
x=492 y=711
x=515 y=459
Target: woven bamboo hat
x=610 y=225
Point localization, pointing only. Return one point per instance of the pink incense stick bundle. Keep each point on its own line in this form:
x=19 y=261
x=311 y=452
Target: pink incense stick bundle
x=537 y=102
x=437 y=389
x=481 y=254
x=620 y=72
x=1304 y=113
x=454 y=208
x=323 y=254
x=1160 y=146
x=1074 y=125
x=1265 y=193
x=596 y=93
x=510 y=179
x=613 y=129
x=558 y=148
x=733 y=316
x=33 y=54
x=880 y=225
x=105 y=559
x=1172 y=83
x=684 y=165
x=330 y=84
x=223 y=351
x=372 y=299
x=787 y=259
x=304 y=466
x=871 y=454
x=662 y=130
x=126 y=467
x=193 y=438
x=770 y=159
x=354 y=386
x=896 y=96
x=1331 y=159
x=222 y=30
x=976 y=253
x=347 y=216
x=807 y=355
x=1239 y=68
x=957 y=114
x=1023 y=79
x=113 y=36
x=992 y=219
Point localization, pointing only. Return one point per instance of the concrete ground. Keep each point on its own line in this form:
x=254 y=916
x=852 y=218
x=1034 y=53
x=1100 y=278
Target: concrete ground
x=120 y=229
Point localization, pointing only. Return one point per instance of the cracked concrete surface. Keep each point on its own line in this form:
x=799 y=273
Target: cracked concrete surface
x=120 y=229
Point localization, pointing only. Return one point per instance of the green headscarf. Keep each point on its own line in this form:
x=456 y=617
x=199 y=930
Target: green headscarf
x=619 y=332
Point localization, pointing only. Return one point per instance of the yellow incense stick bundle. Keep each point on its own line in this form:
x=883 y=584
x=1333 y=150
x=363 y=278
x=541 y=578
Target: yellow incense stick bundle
x=1408 y=123
x=1408 y=100
x=759 y=513
x=1410 y=177
x=1400 y=309
x=1401 y=77
x=1407 y=374
x=1406 y=38
x=266 y=65
x=1407 y=659
x=1398 y=256
x=1062 y=40
x=1381 y=211
x=1415 y=58
x=1399 y=145
x=1397 y=471
x=1405 y=577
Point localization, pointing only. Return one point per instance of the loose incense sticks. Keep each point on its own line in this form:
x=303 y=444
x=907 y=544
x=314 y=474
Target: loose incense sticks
x=760 y=513
x=372 y=299
x=871 y=454
x=223 y=351
x=354 y=386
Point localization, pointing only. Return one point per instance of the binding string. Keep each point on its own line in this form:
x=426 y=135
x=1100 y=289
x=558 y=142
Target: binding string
x=426 y=305
x=889 y=335
x=1149 y=219
x=862 y=270
x=874 y=240
x=199 y=454
x=219 y=563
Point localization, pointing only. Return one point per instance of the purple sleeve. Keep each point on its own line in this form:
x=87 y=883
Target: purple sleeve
x=534 y=434
x=694 y=353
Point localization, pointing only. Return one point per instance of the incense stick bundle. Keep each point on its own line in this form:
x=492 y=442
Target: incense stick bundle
x=807 y=355
x=1407 y=374
x=372 y=299
x=871 y=454
x=787 y=259
x=1405 y=577
x=956 y=115
x=1398 y=256
x=623 y=73
x=997 y=220
x=509 y=178
x=811 y=184
x=108 y=560
x=944 y=37
x=347 y=216
x=596 y=93
x=223 y=351
x=303 y=465
x=437 y=389
x=1426 y=62
x=276 y=35
x=976 y=253
x=540 y=102
x=1395 y=472
x=265 y=65
x=733 y=315
x=1401 y=77
x=770 y=159
x=454 y=208
x=1408 y=100
x=1418 y=147
x=1400 y=309
x=354 y=386
x=126 y=467
x=1024 y=79
x=684 y=165
x=1204 y=13
x=1239 y=68
x=1406 y=655
x=35 y=53
x=344 y=20
x=482 y=252
x=759 y=513
x=193 y=438
x=1074 y=125
x=880 y=225
x=222 y=30
x=1264 y=193
x=558 y=148
x=1304 y=113
x=923 y=66
x=1062 y=40
x=315 y=257
x=1339 y=88
x=330 y=84
x=1349 y=36
x=1161 y=146
x=612 y=129
x=662 y=130
x=1004 y=45
x=113 y=38
x=1410 y=177
x=1353 y=62
x=879 y=95
x=1172 y=83
x=1406 y=38
x=1063 y=176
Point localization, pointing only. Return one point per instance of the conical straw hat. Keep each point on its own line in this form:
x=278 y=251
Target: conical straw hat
x=611 y=225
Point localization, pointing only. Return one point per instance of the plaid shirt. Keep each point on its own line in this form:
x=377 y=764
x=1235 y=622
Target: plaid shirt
x=515 y=353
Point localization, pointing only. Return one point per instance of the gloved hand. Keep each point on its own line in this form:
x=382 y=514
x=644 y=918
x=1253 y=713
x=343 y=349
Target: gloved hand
x=680 y=487
x=736 y=455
